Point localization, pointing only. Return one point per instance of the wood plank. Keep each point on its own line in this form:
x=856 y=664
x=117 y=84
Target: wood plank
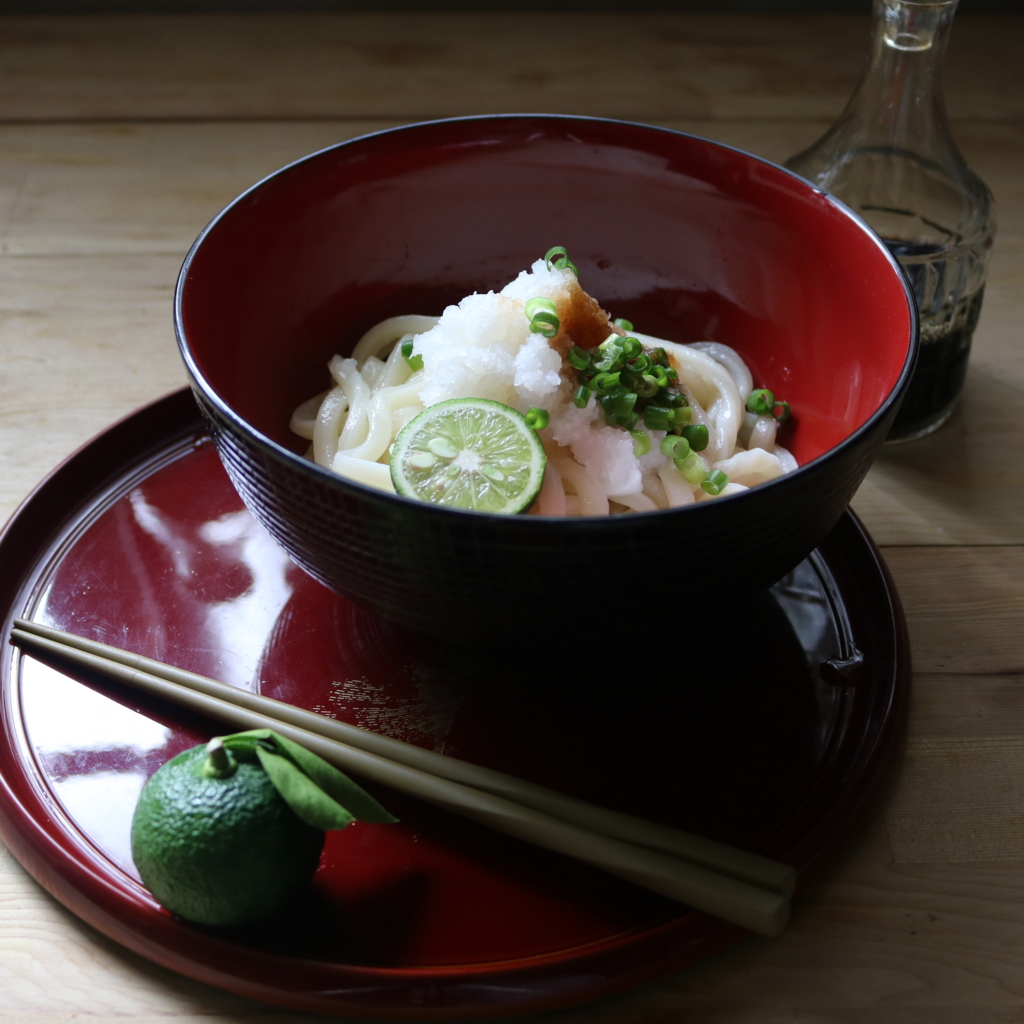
x=150 y=188
x=957 y=706
x=957 y=795
x=964 y=607
x=137 y=187
x=959 y=799
x=83 y=341
x=425 y=65
x=53 y=966
x=959 y=790
x=894 y=940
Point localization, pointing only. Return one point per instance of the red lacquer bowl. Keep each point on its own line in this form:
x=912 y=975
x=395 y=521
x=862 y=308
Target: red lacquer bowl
x=686 y=238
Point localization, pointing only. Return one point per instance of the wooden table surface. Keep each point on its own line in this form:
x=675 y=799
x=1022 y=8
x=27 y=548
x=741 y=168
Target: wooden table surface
x=120 y=136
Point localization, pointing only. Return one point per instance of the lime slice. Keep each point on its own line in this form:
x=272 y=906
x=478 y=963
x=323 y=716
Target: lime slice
x=469 y=453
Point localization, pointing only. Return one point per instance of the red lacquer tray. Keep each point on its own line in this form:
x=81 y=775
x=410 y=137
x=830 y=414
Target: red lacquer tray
x=769 y=724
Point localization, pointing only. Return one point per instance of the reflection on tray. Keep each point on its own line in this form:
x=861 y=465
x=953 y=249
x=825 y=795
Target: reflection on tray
x=714 y=719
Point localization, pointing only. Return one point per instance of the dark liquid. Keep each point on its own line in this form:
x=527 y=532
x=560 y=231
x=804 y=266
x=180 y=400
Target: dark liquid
x=939 y=376
x=942 y=362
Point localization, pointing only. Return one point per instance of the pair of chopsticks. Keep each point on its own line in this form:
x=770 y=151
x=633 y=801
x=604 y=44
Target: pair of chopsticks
x=743 y=888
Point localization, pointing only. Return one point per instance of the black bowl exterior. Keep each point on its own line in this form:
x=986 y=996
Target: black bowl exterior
x=476 y=577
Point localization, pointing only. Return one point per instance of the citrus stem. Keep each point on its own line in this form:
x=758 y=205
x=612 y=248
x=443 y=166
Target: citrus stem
x=219 y=764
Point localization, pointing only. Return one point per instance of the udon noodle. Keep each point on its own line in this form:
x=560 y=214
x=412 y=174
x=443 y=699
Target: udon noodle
x=484 y=348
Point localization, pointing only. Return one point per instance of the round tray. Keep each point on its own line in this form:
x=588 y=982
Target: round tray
x=769 y=724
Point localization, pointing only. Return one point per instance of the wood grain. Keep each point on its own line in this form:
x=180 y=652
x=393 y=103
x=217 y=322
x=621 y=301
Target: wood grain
x=85 y=340
x=122 y=135
x=961 y=799
x=956 y=705
x=964 y=607
x=427 y=65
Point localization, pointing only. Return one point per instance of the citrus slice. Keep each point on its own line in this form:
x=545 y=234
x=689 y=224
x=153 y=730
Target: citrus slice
x=469 y=453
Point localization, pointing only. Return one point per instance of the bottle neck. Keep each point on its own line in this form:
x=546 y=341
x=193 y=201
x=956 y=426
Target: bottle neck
x=899 y=102
x=891 y=155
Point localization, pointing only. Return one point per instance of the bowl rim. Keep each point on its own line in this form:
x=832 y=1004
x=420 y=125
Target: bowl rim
x=542 y=522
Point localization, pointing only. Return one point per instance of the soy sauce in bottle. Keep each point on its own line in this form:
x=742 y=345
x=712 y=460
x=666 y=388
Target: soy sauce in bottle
x=891 y=158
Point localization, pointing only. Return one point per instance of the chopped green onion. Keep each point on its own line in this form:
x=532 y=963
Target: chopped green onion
x=631 y=384
x=578 y=357
x=675 y=448
x=611 y=361
x=543 y=315
x=610 y=353
x=624 y=325
x=415 y=362
x=656 y=417
x=629 y=377
x=715 y=482
x=631 y=348
x=537 y=418
x=761 y=401
x=606 y=382
x=647 y=387
x=558 y=258
x=641 y=443
x=545 y=323
x=693 y=467
x=623 y=403
x=618 y=409
x=781 y=411
x=659 y=373
x=539 y=303
x=554 y=253
x=697 y=435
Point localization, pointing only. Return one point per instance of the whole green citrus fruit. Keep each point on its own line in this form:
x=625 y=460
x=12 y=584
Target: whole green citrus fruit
x=220 y=851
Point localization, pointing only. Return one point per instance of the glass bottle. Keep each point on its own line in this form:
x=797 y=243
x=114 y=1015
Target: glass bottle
x=891 y=158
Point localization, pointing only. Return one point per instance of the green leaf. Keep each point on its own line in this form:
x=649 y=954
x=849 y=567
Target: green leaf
x=244 y=745
x=302 y=794
x=336 y=784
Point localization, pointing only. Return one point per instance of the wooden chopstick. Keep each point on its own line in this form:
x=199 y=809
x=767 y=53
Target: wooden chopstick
x=708 y=888
x=741 y=864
